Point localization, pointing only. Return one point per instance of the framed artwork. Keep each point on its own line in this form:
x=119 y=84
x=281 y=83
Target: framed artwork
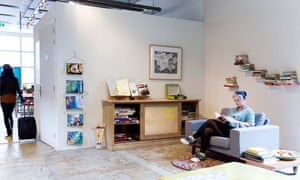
x=165 y=62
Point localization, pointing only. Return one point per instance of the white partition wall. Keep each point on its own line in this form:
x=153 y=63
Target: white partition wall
x=114 y=45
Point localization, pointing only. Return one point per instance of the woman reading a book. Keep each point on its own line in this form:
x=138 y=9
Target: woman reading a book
x=239 y=116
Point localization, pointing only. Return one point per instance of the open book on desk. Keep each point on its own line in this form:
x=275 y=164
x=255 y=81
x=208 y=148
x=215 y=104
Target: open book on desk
x=226 y=118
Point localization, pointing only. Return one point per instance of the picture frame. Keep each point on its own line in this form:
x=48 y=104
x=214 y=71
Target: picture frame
x=165 y=62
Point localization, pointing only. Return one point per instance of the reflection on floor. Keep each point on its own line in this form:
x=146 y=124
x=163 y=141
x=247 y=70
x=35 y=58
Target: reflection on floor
x=39 y=161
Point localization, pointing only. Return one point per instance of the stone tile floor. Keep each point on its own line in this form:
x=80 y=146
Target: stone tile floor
x=40 y=161
x=37 y=160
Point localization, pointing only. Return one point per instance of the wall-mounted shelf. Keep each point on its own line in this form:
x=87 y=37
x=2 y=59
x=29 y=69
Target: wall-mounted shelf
x=286 y=78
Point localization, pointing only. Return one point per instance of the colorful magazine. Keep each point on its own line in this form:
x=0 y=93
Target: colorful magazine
x=74 y=102
x=74 y=138
x=139 y=89
x=74 y=68
x=74 y=86
x=75 y=119
x=143 y=89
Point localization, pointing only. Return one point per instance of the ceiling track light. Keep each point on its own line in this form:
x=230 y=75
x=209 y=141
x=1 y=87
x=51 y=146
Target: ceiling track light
x=120 y=5
x=40 y=8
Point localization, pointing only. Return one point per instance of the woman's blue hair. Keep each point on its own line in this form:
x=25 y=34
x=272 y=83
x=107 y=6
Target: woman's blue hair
x=242 y=94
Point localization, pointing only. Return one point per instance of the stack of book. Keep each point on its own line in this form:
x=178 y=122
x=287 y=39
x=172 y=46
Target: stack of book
x=271 y=79
x=247 y=67
x=259 y=73
x=288 y=78
x=257 y=154
x=231 y=82
x=241 y=59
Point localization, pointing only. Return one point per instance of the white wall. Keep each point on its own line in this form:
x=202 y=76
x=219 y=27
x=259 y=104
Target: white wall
x=114 y=45
x=268 y=31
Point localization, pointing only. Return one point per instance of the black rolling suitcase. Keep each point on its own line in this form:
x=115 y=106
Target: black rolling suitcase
x=27 y=126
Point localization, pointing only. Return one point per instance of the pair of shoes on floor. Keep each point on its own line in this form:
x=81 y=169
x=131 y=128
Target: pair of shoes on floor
x=188 y=140
x=200 y=155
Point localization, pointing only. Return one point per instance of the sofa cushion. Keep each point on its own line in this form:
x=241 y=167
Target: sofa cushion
x=260 y=118
x=219 y=141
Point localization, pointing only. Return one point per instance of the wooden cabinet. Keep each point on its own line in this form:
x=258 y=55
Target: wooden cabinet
x=133 y=123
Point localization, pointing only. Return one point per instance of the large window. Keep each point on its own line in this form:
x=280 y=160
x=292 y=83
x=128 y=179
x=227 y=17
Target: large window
x=17 y=50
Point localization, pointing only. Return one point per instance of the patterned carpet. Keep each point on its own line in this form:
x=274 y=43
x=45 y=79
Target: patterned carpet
x=187 y=163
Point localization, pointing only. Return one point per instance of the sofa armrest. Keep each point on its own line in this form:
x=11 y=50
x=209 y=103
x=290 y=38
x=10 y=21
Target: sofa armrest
x=191 y=126
x=259 y=136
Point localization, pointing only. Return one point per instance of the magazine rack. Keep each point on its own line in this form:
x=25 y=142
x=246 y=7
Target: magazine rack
x=74 y=99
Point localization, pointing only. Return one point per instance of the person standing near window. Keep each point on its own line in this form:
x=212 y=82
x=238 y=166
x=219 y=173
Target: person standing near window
x=9 y=87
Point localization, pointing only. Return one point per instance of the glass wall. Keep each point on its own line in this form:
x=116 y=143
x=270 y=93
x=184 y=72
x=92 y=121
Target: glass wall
x=17 y=50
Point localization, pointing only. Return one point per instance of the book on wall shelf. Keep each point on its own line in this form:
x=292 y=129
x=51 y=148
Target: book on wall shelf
x=231 y=82
x=241 y=59
x=259 y=73
x=286 y=78
x=247 y=67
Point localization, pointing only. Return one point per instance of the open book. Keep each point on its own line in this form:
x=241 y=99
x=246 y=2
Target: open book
x=226 y=118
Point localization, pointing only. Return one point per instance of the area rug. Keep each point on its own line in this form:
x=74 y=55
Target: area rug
x=185 y=162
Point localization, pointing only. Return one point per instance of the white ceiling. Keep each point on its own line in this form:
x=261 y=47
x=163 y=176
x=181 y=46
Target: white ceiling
x=15 y=14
